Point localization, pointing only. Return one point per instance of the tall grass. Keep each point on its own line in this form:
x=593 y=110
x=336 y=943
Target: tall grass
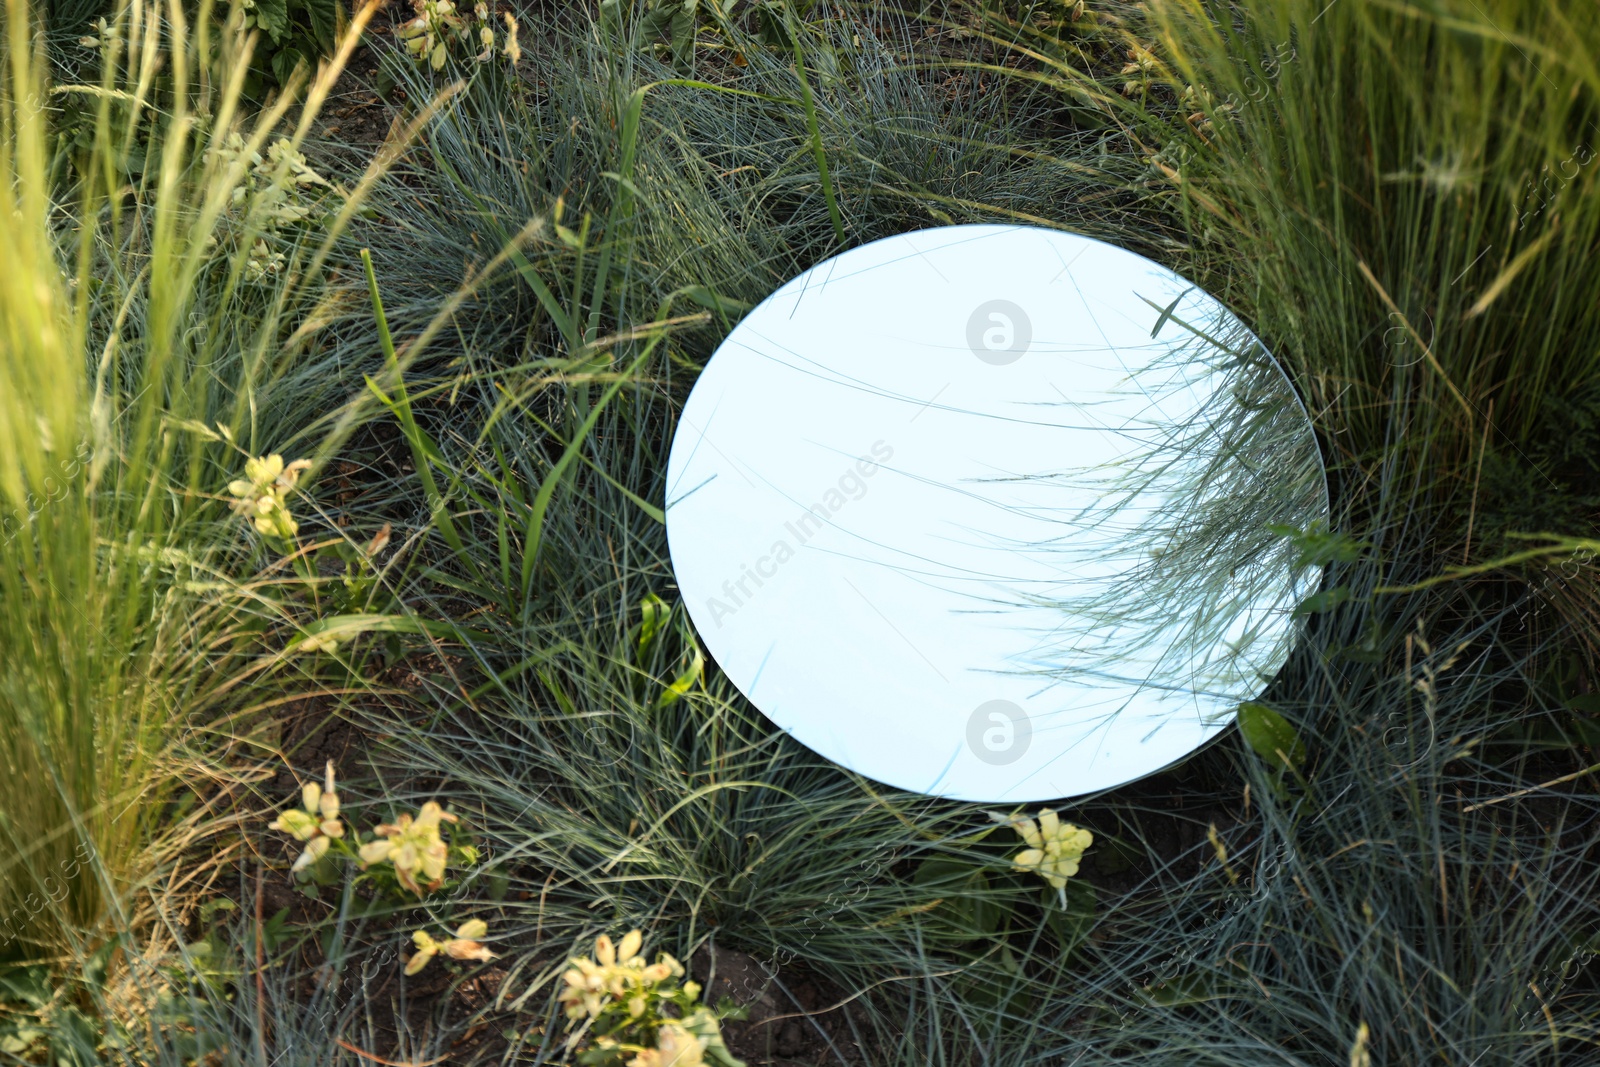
x=1404 y=197
x=141 y=361
x=85 y=699
x=725 y=192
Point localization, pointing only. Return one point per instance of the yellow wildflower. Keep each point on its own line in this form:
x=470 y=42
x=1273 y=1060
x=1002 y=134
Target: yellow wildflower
x=263 y=263
x=1144 y=67
x=426 y=35
x=675 y=1047
x=413 y=846
x=316 y=822
x=618 y=973
x=464 y=946
x=1054 y=847
x=262 y=494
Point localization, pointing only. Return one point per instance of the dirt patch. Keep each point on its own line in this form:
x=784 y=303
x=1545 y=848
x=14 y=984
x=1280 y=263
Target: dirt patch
x=792 y=1016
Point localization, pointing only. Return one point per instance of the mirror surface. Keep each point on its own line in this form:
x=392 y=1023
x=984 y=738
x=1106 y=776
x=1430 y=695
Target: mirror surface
x=983 y=512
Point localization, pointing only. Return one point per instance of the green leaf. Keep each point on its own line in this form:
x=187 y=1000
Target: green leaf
x=30 y=985
x=966 y=905
x=326 y=871
x=1586 y=732
x=940 y=871
x=1003 y=990
x=273 y=16
x=344 y=627
x=209 y=909
x=284 y=62
x=711 y=300
x=95 y=967
x=684 y=681
x=1318 y=546
x=654 y=612
x=682 y=37
x=1071 y=924
x=1112 y=855
x=1188 y=989
x=1326 y=600
x=1588 y=703
x=1270 y=736
x=770 y=24
x=275 y=930
x=20 y=1041
x=1369 y=648
x=602 y=1057
x=325 y=18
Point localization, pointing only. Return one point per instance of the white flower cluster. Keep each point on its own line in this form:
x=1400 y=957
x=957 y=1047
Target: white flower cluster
x=439 y=25
x=268 y=194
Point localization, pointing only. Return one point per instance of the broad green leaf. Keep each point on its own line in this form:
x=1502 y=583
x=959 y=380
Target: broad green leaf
x=326 y=17
x=341 y=628
x=276 y=930
x=1270 y=736
x=681 y=35
x=273 y=16
x=29 y=985
x=964 y=891
x=209 y=909
x=20 y=1040
x=284 y=62
x=1588 y=703
x=1326 y=600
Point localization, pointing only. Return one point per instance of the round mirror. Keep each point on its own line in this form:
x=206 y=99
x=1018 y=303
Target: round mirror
x=987 y=512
